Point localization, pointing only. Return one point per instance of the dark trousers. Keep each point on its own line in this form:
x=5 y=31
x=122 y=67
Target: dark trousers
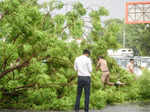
x=83 y=82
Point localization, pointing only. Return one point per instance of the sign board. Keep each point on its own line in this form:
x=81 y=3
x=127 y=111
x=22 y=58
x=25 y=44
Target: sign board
x=137 y=12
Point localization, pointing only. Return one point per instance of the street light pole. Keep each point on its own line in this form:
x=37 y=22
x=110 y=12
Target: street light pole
x=124 y=30
x=124 y=35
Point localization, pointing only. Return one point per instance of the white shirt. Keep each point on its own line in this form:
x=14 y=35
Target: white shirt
x=83 y=65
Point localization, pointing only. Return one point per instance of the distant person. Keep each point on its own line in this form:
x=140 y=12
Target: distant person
x=83 y=66
x=102 y=65
x=130 y=66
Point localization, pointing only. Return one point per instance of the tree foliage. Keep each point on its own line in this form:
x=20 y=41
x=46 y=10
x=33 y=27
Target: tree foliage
x=36 y=60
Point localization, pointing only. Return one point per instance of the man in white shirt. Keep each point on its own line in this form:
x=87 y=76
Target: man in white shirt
x=83 y=67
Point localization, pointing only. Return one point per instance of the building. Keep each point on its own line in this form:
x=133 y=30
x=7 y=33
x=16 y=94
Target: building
x=122 y=52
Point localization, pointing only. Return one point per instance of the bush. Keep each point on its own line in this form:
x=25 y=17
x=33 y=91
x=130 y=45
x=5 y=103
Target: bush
x=98 y=99
x=144 y=83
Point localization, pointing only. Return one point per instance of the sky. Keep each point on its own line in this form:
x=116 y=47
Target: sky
x=115 y=7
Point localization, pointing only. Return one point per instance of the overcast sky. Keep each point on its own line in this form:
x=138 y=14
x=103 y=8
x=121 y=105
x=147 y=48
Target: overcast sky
x=115 y=7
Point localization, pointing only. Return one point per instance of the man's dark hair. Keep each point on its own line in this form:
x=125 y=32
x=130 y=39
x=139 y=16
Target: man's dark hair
x=100 y=57
x=86 y=52
x=131 y=59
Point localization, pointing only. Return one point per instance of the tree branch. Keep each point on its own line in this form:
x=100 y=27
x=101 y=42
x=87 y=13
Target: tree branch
x=24 y=64
x=26 y=86
x=5 y=62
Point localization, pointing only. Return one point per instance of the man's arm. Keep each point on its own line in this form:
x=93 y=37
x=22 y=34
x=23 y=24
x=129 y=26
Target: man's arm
x=131 y=69
x=75 y=65
x=90 y=65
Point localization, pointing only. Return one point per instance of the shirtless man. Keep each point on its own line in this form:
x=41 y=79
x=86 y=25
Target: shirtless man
x=102 y=64
x=130 y=66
